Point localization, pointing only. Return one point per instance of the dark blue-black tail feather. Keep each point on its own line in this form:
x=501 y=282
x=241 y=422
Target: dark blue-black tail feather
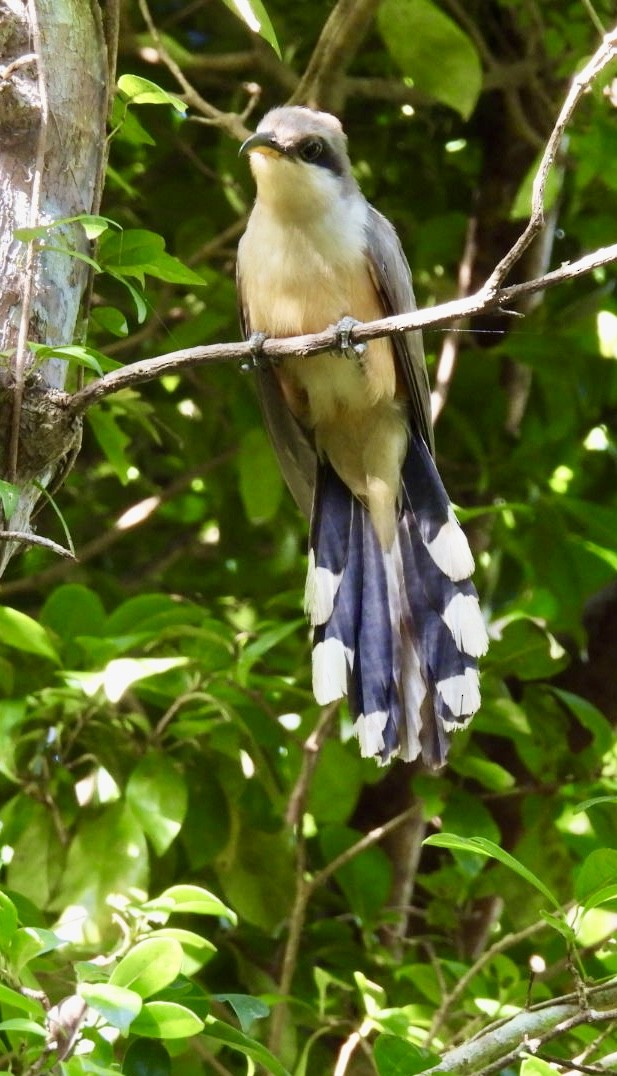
x=399 y=630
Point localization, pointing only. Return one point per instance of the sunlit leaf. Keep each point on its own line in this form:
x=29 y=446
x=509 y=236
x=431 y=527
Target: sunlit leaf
x=432 y=50
x=166 y=1020
x=149 y=966
x=483 y=847
x=118 y=1005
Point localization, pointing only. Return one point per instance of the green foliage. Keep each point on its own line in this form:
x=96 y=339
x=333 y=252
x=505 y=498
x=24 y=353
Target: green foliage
x=164 y=831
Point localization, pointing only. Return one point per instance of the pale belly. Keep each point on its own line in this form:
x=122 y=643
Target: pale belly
x=349 y=404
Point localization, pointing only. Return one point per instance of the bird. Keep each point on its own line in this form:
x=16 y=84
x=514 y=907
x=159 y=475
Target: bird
x=397 y=625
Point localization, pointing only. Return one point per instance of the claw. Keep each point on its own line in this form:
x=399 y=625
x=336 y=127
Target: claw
x=257 y=358
x=343 y=330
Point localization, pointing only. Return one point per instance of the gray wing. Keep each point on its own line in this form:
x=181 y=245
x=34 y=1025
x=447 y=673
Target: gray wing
x=392 y=278
x=293 y=446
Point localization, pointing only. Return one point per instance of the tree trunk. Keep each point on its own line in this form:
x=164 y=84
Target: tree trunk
x=53 y=104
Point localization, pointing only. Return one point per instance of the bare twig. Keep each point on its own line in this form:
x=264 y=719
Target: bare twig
x=311 y=748
x=345 y=1053
x=503 y=1042
x=135 y=516
x=451 y=341
x=305 y=888
x=226 y=121
x=450 y=999
x=322 y=84
x=28 y=538
x=580 y=85
x=478 y=303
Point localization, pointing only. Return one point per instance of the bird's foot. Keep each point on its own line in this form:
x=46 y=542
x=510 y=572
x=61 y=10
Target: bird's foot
x=344 y=330
x=257 y=358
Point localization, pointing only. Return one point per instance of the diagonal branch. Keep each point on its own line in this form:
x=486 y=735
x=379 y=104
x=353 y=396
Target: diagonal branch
x=505 y=1041
x=580 y=85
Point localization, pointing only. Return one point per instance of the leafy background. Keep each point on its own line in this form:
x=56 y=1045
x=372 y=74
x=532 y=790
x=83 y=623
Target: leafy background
x=164 y=830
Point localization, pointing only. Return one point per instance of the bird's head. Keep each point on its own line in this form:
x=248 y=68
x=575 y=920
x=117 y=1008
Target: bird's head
x=299 y=159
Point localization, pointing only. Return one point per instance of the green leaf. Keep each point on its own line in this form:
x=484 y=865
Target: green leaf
x=110 y=319
x=23 y=633
x=123 y=673
x=261 y=484
x=158 y=798
x=598 y=871
x=9 y=496
x=146 y=1057
x=196 y=951
x=73 y=353
x=366 y=879
x=8 y=920
x=28 y=943
x=247 y=1008
x=190 y=898
x=148 y=967
x=602 y=896
x=107 y=855
x=166 y=1020
x=73 y=609
x=534 y=1066
x=28 y=1027
x=330 y=799
x=237 y=1040
x=13 y=999
x=141 y=91
x=264 y=642
x=526 y=650
x=396 y=1057
x=116 y=1004
x=483 y=847
x=590 y=718
x=558 y=923
x=433 y=51
x=112 y=440
x=138 y=252
x=586 y=804
x=254 y=14
x=487 y=773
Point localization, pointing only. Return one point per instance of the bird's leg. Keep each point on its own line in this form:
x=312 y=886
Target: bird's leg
x=343 y=331
x=257 y=358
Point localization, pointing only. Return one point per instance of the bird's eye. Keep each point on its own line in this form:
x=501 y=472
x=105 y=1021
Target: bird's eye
x=311 y=150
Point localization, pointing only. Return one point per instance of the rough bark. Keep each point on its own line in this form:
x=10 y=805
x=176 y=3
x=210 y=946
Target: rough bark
x=53 y=100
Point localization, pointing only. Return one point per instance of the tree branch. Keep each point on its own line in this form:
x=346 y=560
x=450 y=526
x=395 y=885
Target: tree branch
x=580 y=85
x=322 y=84
x=504 y=1042
x=274 y=348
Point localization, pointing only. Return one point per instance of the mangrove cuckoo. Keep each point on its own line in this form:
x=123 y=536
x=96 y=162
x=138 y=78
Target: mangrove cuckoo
x=397 y=625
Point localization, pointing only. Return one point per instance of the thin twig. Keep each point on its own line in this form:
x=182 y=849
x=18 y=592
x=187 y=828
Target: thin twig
x=303 y=890
x=226 y=121
x=451 y=341
x=503 y=1042
x=322 y=83
x=28 y=538
x=311 y=748
x=573 y=1066
x=135 y=516
x=450 y=999
x=345 y=1053
x=367 y=841
x=580 y=85
x=35 y=203
x=480 y=302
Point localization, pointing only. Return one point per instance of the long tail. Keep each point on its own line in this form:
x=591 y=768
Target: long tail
x=398 y=631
